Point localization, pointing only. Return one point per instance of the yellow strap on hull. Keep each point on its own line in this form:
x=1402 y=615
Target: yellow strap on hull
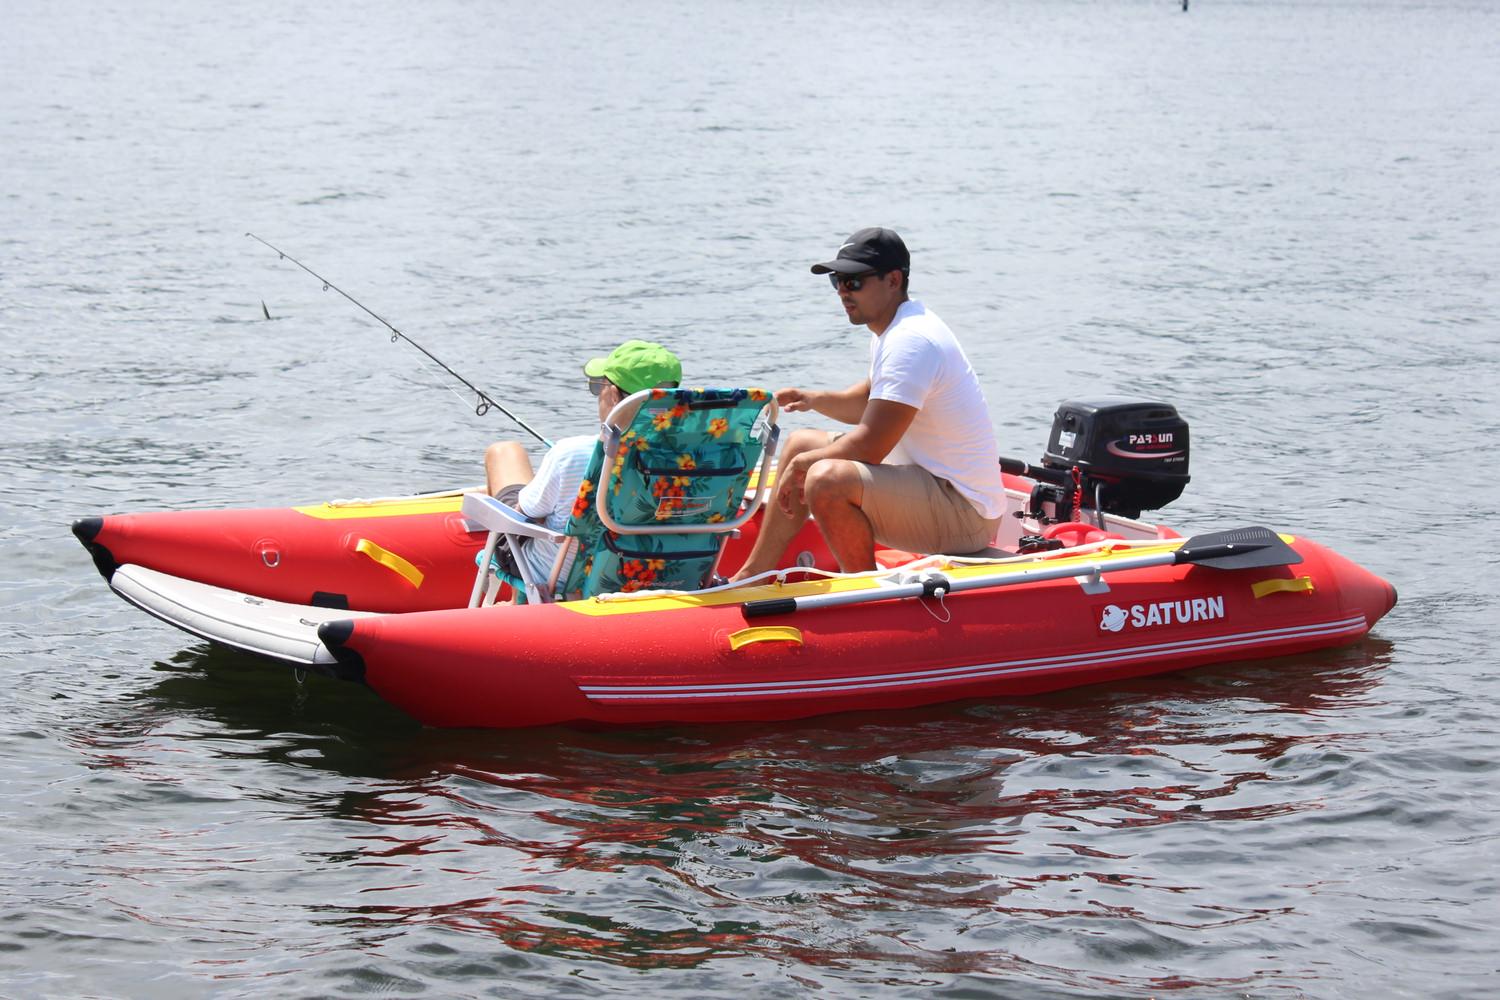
x=765 y=633
x=390 y=561
x=1298 y=585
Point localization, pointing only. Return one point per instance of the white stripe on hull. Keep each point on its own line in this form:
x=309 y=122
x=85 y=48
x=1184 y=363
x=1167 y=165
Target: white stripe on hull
x=978 y=671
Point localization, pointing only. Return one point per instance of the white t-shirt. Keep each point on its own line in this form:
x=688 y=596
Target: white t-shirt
x=549 y=497
x=917 y=361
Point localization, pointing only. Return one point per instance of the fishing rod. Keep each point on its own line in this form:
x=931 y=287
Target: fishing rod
x=485 y=402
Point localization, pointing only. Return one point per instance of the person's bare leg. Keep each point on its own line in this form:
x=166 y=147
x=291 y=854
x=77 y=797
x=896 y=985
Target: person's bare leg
x=506 y=463
x=834 y=492
x=779 y=527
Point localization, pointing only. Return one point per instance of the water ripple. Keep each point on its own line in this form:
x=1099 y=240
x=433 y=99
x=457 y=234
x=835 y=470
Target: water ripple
x=1273 y=218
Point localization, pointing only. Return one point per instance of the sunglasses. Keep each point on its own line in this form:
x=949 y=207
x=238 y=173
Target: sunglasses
x=850 y=282
x=598 y=383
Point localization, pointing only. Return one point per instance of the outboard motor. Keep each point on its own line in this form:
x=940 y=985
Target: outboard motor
x=1129 y=455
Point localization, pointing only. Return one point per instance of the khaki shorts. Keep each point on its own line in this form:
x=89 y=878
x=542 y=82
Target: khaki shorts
x=912 y=509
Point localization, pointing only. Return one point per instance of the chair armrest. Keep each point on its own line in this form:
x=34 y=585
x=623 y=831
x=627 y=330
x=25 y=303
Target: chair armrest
x=504 y=519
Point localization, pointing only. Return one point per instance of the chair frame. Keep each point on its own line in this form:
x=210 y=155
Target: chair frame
x=507 y=523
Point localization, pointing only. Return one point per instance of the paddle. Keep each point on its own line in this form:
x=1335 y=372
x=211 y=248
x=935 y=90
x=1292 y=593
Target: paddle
x=1236 y=549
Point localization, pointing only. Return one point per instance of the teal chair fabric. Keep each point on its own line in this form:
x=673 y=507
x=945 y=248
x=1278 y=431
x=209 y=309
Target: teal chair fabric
x=685 y=459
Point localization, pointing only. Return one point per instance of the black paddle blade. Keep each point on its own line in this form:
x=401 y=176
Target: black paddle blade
x=1238 y=548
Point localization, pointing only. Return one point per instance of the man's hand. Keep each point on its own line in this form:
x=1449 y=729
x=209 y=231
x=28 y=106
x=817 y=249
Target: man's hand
x=794 y=400
x=845 y=405
x=789 y=480
x=870 y=441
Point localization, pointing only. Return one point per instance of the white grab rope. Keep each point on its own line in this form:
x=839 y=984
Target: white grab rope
x=893 y=574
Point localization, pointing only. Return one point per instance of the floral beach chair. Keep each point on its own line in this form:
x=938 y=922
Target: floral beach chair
x=662 y=493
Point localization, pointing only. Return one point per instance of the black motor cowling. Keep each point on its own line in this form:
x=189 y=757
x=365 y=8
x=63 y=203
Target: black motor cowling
x=1131 y=454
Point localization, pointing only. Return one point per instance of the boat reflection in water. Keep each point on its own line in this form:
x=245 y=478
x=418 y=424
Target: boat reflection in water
x=902 y=843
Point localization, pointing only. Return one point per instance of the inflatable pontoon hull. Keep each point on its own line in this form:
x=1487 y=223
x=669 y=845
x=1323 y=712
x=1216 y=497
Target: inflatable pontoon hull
x=375 y=591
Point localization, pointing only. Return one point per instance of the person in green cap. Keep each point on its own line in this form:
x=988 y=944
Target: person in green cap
x=546 y=495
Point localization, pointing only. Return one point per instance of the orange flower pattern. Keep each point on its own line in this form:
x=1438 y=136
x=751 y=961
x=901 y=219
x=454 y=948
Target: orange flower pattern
x=581 y=505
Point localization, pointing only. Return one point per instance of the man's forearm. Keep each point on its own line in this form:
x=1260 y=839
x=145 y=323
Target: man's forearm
x=846 y=406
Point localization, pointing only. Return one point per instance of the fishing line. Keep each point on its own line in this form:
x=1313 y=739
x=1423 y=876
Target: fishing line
x=485 y=402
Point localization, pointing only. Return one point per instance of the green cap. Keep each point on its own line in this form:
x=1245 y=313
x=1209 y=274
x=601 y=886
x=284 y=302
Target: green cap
x=637 y=365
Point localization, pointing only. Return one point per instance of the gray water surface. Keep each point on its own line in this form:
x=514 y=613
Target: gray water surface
x=1280 y=216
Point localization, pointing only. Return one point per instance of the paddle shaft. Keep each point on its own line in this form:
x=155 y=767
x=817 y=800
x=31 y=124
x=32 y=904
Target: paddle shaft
x=936 y=585
x=1246 y=548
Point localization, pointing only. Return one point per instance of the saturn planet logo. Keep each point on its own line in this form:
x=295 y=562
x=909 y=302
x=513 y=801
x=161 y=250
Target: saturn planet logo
x=1113 y=618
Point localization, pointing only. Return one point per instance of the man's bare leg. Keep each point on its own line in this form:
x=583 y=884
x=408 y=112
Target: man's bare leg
x=834 y=491
x=779 y=527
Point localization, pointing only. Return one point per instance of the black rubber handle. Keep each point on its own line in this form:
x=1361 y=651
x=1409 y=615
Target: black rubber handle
x=1041 y=473
x=774 y=606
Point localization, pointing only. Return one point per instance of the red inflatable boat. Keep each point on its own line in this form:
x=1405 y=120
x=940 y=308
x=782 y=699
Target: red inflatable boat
x=1074 y=593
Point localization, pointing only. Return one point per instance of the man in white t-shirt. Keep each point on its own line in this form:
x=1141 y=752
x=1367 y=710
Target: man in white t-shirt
x=919 y=469
x=548 y=494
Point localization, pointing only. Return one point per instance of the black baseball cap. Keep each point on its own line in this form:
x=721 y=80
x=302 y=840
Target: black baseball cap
x=872 y=249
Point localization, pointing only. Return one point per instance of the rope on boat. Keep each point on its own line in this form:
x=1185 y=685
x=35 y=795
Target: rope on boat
x=894 y=574
x=947 y=615
x=776 y=576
